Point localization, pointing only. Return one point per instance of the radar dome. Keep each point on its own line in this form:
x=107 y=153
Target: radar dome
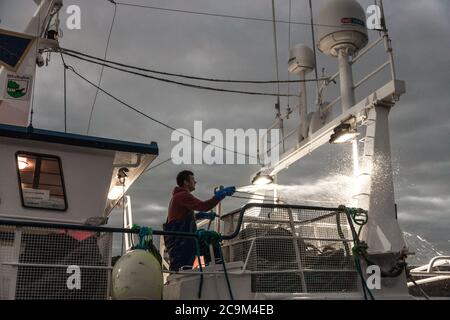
x=341 y=24
x=137 y=275
x=301 y=59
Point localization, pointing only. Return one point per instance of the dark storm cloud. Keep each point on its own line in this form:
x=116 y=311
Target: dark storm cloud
x=224 y=48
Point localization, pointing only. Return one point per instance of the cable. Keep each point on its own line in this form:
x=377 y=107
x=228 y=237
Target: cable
x=222 y=15
x=34 y=82
x=277 y=105
x=150 y=117
x=157 y=165
x=180 y=83
x=65 y=93
x=77 y=53
x=276 y=51
x=410 y=277
x=426 y=296
x=289 y=48
x=314 y=47
x=103 y=67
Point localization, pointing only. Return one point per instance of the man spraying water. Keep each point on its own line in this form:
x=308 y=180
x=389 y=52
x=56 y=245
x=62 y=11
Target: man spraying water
x=181 y=218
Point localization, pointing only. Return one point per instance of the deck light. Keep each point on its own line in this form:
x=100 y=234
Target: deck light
x=343 y=133
x=262 y=179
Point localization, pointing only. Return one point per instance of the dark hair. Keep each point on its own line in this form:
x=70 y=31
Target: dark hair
x=183 y=176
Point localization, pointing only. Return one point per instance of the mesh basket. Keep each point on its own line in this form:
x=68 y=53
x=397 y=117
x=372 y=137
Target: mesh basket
x=293 y=249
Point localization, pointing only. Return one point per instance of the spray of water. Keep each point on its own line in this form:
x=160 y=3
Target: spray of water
x=355 y=155
x=331 y=191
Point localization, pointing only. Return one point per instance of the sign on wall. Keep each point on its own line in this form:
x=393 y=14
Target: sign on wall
x=18 y=87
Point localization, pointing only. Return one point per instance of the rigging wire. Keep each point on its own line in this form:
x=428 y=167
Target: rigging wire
x=152 y=118
x=65 y=93
x=75 y=54
x=314 y=48
x=275 y=42
x=289 y=47
x=223 y=15
x=158 y=165
x=195 y=86
x=103 y=67
x=276 y=51
x=34 y=82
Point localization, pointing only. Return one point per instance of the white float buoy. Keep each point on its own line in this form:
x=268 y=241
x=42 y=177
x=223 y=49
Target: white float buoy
x=137 y=275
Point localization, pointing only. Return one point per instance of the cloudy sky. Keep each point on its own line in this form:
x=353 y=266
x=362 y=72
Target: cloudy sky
x=218 y=47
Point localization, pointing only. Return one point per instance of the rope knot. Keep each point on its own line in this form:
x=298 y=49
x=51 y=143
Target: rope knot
x=209 y=237
x=145 y=237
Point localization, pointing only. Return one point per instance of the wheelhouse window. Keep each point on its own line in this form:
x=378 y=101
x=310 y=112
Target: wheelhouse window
x=41 y=181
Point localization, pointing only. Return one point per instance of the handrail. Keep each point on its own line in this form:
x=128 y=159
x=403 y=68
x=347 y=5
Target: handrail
x=373 y=73
x=433 y=261
x=233 y=235
x=355 y=59
x=366 y=49
x=31 y=224
x=424 y=269
x=242 y=210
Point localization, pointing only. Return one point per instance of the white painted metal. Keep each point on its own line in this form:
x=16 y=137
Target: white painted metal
x=301 y=62
x=382 y=233
x=428 y=280
x=346 y=80
x=435 y=262
x=388 y=92
x=303 y=127
x=301 y=59
x=86 y=172
x=358 y=55
x=341 y=24
x=184 y=285
x=136 y=165
x=127 y=224
x=17 y=112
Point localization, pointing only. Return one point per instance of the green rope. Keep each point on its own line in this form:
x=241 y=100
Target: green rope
x=197 y=248
x=145 y=237
x=359 y=217
x=215 y=239
x=359 y=251
x=146 y=241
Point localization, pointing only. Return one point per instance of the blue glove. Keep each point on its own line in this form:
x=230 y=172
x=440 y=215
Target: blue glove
x=230 y=190
x=223 y=192
x=205 y=215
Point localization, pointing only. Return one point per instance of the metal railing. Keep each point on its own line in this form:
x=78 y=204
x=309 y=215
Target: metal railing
x=290 y=248
x=35 y=256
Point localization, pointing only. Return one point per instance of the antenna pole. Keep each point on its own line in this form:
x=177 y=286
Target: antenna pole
x=314 y=50
x=387 y=41
x=346 y=80
x=303 y=109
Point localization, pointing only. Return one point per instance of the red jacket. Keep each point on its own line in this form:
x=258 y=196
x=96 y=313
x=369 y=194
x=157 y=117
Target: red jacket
x=183 y=203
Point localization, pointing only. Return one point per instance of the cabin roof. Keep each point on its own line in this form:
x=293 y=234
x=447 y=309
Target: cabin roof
x=31 y=133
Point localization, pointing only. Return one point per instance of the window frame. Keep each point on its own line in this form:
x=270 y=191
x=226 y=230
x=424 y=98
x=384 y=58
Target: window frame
x=34 y=154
